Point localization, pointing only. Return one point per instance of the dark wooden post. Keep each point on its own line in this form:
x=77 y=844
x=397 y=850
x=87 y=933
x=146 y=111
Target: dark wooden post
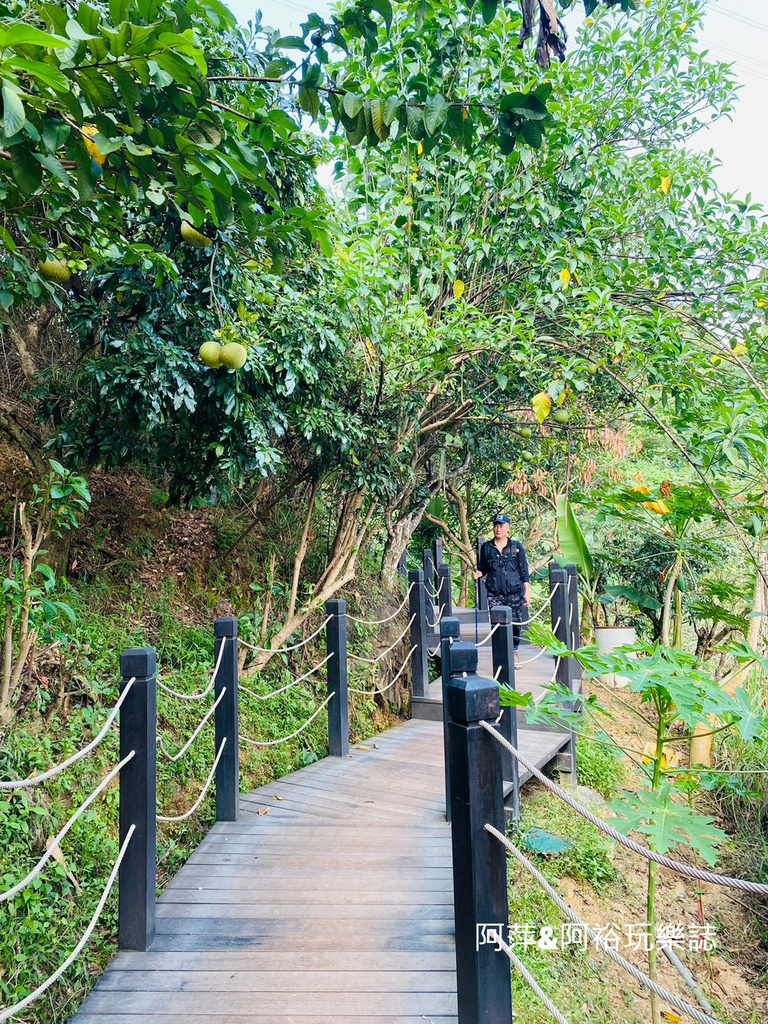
x=138 y=799
x=575 y=679
x=429 y=587
x=559 y=609
x=503 y=652
x=226 y=720
x=445 y=583
x=482 y=593
x=417 y=605
x=439 y=556
x=402 y=565
x=479 y=860
x=338 y=707
x=450 y=630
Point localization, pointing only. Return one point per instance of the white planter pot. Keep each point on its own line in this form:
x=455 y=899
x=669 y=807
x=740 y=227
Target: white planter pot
x=608 y=639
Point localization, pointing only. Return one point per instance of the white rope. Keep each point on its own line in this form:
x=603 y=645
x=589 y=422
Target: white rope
x=12 y=1011
x=299 y=679
x=438 y=589
x=195 y=734
x=38 y=868
x=526 y=974
x=487 y=638
x=209 y=780
x=37 y=779
x=274 y=743
x=636 y=973
x=293 y=647
x=497 y=673
x=209 y=687
x=542 y=651
x=436 y=623
x=380 y=622
x=543 y=608
x=433 y=653
x=643 y=851
x=376 y=660
x=353 y=689
x=558 y=659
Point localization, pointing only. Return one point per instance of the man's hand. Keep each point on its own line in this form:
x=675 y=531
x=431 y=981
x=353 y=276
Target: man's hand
x=527 y=598
x=476 y=574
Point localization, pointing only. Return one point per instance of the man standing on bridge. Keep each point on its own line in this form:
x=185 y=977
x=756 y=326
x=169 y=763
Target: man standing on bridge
x=504 y=565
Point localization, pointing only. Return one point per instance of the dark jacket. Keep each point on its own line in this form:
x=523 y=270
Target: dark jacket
x=505 y=571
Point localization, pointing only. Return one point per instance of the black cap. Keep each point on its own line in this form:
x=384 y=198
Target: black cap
x=502 y=517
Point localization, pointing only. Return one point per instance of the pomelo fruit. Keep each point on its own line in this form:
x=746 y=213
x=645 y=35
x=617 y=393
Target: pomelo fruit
x=194 y=237
x=54 y=270
x=526 y=432
x=561 y=415
x=234 y=355
x=210 y=353
x=527 y=456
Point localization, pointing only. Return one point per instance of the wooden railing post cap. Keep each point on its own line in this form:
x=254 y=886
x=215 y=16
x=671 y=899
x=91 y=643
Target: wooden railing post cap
x=336 y=607
x=140 y=662
x=225 y=626
x=557 y=571
x=415 y=575
x=501 y=615
x=471 y=699
x=571 y=570
x=450 y=627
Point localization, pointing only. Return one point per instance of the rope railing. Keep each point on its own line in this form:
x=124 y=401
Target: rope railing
x=209 y=687
x=523 y=971
x=543 y=608
x=54 y=843
x=667 y=862
x=353 y=689
x=436 y=623
x=274 y=743
x=12 y=1011
x=35 y=780
x=196 y=804
x=485 y=639
x=376 y=660
x=636 y=973
x=380 y=622
x=542 y=651
x=206 y=717
x=293 y=647
x=288 y=686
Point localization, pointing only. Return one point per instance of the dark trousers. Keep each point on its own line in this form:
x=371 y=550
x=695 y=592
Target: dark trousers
x=519 y=611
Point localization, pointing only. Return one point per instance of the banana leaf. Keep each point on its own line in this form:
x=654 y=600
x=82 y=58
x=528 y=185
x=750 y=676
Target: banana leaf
x=572 y=542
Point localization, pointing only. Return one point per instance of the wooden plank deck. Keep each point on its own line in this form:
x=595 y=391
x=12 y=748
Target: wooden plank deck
x=336 y=904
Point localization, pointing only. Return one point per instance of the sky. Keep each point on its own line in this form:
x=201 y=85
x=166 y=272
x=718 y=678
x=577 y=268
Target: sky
x=735 y=31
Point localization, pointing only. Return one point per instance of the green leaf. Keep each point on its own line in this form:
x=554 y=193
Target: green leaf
x=352 y=103
x=391 y=109
x=27 y=172
x=45 y=74
x=20 y=34
x=531 y=132
x=377 y=117
x=359 y=130
x=572 y=541
x=13 y=111
x=751 y=723
x=118 y=10
x=309 y=100
x=292 y=43
x=415 y=121
x=489 y=10
x=384 y=8
x=435 y=113
x=666 y=822
x=635 y=596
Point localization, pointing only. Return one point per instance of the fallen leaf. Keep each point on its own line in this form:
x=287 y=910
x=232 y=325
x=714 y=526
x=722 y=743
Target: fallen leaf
x=263 y=810
x=58 y=856
x=277 y=798
x=361 y=747
x=669 y=1015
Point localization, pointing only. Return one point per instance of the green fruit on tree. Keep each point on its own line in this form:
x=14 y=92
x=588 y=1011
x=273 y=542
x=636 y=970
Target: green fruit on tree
x=592 y=369
x=54 y=270
x=680 y=583
x=561 y=415
x=194 y=237
x=234 y=355
x=526 y=432
x=210 y=353
x=527 y=456
x=506 y=466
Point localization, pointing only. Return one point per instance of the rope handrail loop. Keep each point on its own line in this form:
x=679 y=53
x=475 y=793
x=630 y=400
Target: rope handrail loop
x=208 y=781
x=293 y=647
x=487 y=638
x=636 y=973
x=376 y=660
x=38 y=868
x=353 y=689
x=436 y=590
x=209 y=687
x=534 y=658
x=274 y=743
x=433 y=653
x=543 y=608
x=12 y=1011
x=37 y=779
x=179 y=754
x=667 y=862
x=436 y=623
x=380 y=622
x=295 y=682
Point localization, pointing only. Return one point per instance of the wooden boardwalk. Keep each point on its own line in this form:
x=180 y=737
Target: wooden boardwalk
x=329 y=900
